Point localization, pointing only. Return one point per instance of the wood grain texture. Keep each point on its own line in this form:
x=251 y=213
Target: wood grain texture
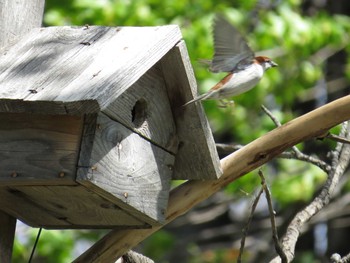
x=39 y=149
x=20 y=206
x=7 y=236
x=17 y=18
x=77 y=108
x=65 y=207
x=145 y=109
x=70 y=64
x=125 y=166
x=197 y=157
x=250 y=157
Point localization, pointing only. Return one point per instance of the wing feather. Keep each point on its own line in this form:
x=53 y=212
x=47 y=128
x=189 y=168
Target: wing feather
x=231 y=49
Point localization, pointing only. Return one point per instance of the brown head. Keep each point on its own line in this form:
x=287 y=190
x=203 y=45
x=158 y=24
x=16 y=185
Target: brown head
x=265 y=62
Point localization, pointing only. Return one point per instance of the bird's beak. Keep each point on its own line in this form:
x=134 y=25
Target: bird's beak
x=274 y=64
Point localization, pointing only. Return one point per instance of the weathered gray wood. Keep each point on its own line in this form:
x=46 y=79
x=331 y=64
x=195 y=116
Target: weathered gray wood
x=125 y=166
x=49 y=107
x=81 y=63
x=65 y=207
x=39 y=149
x=19 y=205
x=197 y=157
x=18 y=18
x=7 y=235
x=145 y=109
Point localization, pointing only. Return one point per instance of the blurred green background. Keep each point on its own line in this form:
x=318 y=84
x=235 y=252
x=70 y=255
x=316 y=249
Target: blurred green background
x=310 y=42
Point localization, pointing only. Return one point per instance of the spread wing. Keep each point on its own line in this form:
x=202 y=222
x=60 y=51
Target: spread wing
x=230 y=47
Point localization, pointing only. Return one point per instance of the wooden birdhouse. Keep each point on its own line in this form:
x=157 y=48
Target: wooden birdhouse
x=91 y=126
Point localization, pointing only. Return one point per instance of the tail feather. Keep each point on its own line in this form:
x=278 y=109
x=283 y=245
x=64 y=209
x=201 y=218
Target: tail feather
x=199 y=98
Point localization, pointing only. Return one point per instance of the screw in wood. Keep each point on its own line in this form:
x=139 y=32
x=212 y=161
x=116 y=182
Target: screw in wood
x=14 y=174
x=61 y=174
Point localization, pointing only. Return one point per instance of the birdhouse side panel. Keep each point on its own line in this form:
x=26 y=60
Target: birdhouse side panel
x=127 y=169
x=197 y=157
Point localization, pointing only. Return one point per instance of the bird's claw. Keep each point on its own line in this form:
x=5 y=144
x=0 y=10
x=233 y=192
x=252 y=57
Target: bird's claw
x=226 y=103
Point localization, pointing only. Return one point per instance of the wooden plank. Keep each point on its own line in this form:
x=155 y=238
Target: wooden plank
x=74 y=207
x=39 y=149
x=7 y=236
x=49 y=107
x=81 y=63
x=197 y=157
x=145 y=109
x=126 y=167
x=19 y=205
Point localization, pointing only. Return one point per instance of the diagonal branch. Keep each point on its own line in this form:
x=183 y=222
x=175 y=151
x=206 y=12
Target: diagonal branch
x=184 y=197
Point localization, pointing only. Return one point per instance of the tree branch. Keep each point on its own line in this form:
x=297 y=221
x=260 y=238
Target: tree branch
x=246 y=228
x=184 y=197
x=278 y=247
x=338 y=168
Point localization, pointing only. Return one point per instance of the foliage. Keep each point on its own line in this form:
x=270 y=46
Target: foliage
x=300 y=43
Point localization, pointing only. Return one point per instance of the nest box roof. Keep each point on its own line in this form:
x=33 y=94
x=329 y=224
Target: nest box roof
x=78 y=67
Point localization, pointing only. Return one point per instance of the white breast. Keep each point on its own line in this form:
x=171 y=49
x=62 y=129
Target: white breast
x=242 y=81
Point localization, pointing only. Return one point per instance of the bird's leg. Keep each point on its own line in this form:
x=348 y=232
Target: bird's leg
x=226 y=103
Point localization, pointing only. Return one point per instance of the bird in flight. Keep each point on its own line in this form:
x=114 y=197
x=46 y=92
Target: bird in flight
x=233 y=55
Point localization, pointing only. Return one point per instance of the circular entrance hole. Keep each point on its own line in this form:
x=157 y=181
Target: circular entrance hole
x=139 y=113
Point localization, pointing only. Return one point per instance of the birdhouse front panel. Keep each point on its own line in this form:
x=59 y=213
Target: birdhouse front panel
x=124 y=167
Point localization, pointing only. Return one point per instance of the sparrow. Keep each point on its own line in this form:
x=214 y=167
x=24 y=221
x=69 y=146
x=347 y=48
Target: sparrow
x=233 y=55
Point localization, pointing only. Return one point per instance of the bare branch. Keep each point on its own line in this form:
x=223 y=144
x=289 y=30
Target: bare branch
x=307 y=158
x=246 y=228
x=337 y=138
x=278 y=247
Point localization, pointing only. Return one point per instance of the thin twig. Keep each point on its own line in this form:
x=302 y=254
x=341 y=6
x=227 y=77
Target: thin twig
x=337 y=138
x=230 y=148
x=272 y=117
x=278 y=247
x=278 y=124
x=224 y=148
x=307 y=158
x=246 y=228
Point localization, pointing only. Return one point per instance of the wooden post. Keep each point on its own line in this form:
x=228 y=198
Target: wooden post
x=7 y=235
x=16 y=19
